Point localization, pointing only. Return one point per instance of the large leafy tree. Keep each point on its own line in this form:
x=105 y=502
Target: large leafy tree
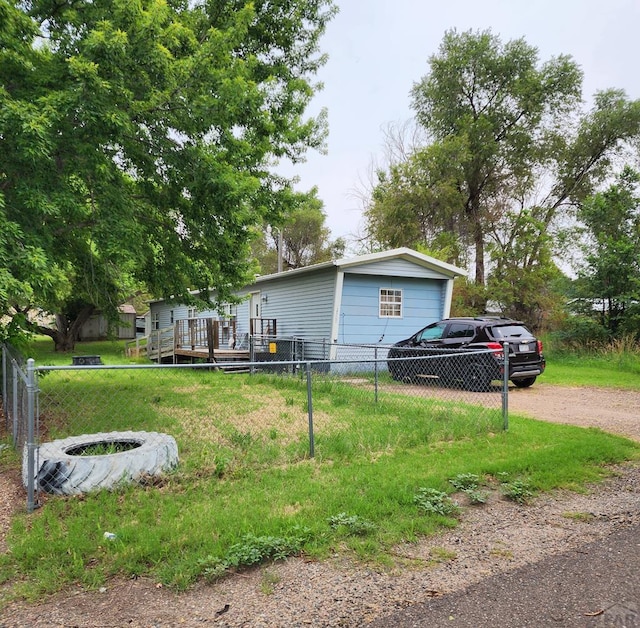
x=609 y=282
x=136 y=144
x=300 y=240
x=505 y=109
x=413 y=202
x=509 y=156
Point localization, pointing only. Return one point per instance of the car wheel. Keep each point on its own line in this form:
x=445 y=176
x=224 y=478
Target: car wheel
x=395 y=371
x=400 y=371
x=523 y=382
x=477 y=378
x=63 y=469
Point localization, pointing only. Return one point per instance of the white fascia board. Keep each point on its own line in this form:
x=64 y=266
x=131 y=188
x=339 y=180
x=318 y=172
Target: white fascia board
x=337 y=305
x=448 y=296
x=405 y=253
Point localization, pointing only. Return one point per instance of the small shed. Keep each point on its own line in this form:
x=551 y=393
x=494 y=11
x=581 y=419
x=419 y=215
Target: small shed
x=98 y=328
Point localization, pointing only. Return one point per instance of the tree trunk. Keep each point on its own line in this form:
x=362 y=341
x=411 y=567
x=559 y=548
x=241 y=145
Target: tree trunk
x=479 y=302
x=67 y=332
x=478 y=237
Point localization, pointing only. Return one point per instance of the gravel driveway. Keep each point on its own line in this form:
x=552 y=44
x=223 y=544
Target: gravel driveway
x=496 y=538
x=615 y=411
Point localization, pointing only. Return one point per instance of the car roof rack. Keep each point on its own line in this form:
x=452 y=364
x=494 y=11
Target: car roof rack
x=491 y=318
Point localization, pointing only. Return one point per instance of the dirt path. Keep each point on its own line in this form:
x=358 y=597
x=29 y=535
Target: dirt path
x=616 y=411
x=496 y=538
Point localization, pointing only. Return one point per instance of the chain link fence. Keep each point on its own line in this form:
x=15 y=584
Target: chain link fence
x=93 y=426
x=15 y=395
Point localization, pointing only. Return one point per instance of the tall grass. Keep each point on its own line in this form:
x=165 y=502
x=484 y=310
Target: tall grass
x=176 y=532
x=228 y=422
x=615 y=364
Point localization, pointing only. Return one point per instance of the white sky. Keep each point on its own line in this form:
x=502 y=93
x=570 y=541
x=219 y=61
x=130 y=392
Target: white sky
x=379 y=48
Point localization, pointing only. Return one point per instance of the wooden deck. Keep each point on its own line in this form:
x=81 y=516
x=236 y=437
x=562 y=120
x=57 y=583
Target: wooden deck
x=208 y=339
x=219 y=355
x=157 y=346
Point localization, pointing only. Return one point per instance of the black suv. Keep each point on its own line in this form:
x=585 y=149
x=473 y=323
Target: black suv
x=468 y=352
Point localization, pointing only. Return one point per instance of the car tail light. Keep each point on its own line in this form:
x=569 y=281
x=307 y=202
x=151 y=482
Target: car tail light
x=539 y=346
x=498 y=350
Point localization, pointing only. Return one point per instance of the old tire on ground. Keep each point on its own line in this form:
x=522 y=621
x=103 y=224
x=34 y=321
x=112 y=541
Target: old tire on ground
x=59 y=471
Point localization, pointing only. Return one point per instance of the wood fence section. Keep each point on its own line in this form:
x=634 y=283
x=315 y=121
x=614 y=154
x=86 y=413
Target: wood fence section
x=209 y=338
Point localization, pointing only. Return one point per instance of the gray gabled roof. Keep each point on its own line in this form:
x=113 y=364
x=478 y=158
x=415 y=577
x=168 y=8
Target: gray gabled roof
x=350 y=262
x=346 y=263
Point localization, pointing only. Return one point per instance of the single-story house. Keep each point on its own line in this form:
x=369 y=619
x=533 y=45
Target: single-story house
x=372 y=299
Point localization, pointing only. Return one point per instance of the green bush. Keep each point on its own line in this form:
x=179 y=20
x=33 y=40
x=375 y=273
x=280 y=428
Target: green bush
x=579 y=333
x=351 y=524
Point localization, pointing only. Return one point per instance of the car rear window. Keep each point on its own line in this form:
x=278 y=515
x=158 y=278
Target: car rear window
x=511 y=331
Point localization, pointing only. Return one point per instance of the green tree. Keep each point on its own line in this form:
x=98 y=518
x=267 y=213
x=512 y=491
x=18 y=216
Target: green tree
x=413 y=203
x=509 y=155
x=525 y=287
x=507 y=113
x=611 y=273
x=535 y=233
x=300 y=240
x=136 y=140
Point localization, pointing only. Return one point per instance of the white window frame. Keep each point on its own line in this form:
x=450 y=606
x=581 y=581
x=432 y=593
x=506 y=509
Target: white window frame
x=155 y=321
x=390 y=303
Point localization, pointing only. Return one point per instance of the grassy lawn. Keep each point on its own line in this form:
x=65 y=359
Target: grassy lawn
x=606 y=371
x=246 y=489
x=617 y=366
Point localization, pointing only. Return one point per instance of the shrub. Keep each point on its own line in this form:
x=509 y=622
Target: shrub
x=581 y=333
x=437 y=502
x=352 y=524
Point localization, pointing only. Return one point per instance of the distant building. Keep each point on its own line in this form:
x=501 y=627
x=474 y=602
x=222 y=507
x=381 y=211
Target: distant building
x=99 y=328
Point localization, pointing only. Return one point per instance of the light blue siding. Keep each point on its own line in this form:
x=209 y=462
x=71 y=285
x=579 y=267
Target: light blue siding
x=360 y=359
x=397 y=268
x=303 y=301
x=302 y=304
x=178 y=311
x=242 y=318
x=360 y=322
x=166 y=311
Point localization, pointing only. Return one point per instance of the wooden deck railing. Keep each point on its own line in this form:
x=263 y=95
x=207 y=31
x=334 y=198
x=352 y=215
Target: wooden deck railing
x=200 y=337
x=157 y=345
x=205 y=334
x=260 y=327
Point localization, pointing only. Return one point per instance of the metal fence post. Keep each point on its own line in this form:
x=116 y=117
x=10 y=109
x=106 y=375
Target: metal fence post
x=31 y=444
x=15 y=375
x=310 y=410
x=505 y=388
x=5 y=377
x=375 y=355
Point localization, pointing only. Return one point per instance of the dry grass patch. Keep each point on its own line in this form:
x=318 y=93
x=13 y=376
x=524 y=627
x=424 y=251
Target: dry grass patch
x=252 y=412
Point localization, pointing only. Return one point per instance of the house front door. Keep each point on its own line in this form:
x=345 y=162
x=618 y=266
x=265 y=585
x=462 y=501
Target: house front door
x=255 y=305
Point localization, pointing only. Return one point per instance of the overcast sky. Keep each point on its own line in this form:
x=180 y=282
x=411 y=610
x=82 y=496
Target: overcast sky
x=379 y=48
